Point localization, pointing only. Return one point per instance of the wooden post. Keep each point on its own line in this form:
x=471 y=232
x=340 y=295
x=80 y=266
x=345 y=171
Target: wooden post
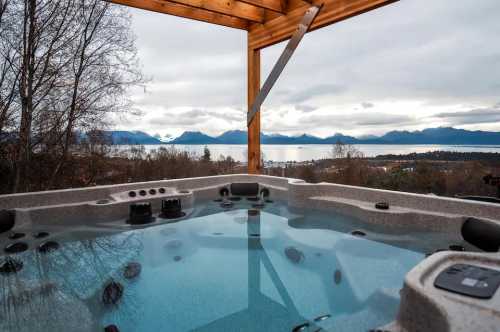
x=254 y=162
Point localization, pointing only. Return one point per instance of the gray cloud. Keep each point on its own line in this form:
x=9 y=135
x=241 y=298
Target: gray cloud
x=195 y=117
x=300 y=96
x=476 y=116
x=305 y=108
x=191 y=63
x=443 y=52
x=439 y=56
x=381 y=119
x=330 y=123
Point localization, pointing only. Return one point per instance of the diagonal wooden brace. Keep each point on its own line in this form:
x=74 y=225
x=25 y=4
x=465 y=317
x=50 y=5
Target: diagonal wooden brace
x=290 y=48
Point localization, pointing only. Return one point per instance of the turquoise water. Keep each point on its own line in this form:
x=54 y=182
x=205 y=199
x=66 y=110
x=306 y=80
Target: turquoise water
x=221 y=271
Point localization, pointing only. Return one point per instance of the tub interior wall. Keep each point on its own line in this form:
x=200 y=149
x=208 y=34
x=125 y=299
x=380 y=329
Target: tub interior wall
x=408 y=213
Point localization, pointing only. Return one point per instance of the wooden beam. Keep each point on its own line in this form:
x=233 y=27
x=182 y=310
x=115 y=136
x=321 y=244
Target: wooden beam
x=186 y=12
x=282 y=27
x=278 y=6
x=232 y=8
x=285 y=56
x=253 y=87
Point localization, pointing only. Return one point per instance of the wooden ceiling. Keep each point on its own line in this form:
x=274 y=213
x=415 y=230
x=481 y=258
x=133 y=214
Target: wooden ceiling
x=267 y=21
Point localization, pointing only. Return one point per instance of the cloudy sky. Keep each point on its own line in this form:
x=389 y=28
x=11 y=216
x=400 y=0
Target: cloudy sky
x=410 y=65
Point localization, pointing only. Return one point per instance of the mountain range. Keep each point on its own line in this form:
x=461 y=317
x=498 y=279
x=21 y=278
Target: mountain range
x=442 y=135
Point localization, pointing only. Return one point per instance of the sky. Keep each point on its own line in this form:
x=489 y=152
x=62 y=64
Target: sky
x=411 y=65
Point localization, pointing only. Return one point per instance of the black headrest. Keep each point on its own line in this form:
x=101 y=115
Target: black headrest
x=244 y=189
x=481 y=233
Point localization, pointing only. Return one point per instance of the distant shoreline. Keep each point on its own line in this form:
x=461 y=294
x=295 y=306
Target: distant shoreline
x=483 y=145
x=308 y=152
x=441 y=156
x=493 y=146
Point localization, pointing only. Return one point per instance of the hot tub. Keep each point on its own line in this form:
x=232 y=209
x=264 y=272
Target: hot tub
x=241 y=253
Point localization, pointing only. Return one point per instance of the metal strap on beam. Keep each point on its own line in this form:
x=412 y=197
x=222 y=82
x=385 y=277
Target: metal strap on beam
x=304 y=25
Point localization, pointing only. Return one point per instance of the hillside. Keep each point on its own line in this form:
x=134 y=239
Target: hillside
x=444 y=136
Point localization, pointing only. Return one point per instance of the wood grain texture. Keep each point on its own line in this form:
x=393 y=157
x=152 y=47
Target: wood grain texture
x=281 y=28
x=179 y=10
x=277 y=6
x=232 y=8
x=253 y=87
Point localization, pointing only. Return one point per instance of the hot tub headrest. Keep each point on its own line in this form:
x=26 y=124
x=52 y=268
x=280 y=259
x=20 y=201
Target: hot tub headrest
x=481 y=233
x=245 y=189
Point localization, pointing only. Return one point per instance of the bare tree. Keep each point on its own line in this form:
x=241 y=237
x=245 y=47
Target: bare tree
x=40 y=35
x=8 y=76
x=104 y=66
x=64 y=66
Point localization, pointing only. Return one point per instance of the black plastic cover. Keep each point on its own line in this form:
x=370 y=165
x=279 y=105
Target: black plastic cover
x=7 y=220
x=224 y=191
x=171 y=209
x=140 y=213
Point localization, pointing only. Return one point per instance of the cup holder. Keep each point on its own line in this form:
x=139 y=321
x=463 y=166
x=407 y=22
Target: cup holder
x=103 y=201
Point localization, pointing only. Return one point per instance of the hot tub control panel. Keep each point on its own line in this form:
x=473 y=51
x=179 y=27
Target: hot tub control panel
x=470 y=280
